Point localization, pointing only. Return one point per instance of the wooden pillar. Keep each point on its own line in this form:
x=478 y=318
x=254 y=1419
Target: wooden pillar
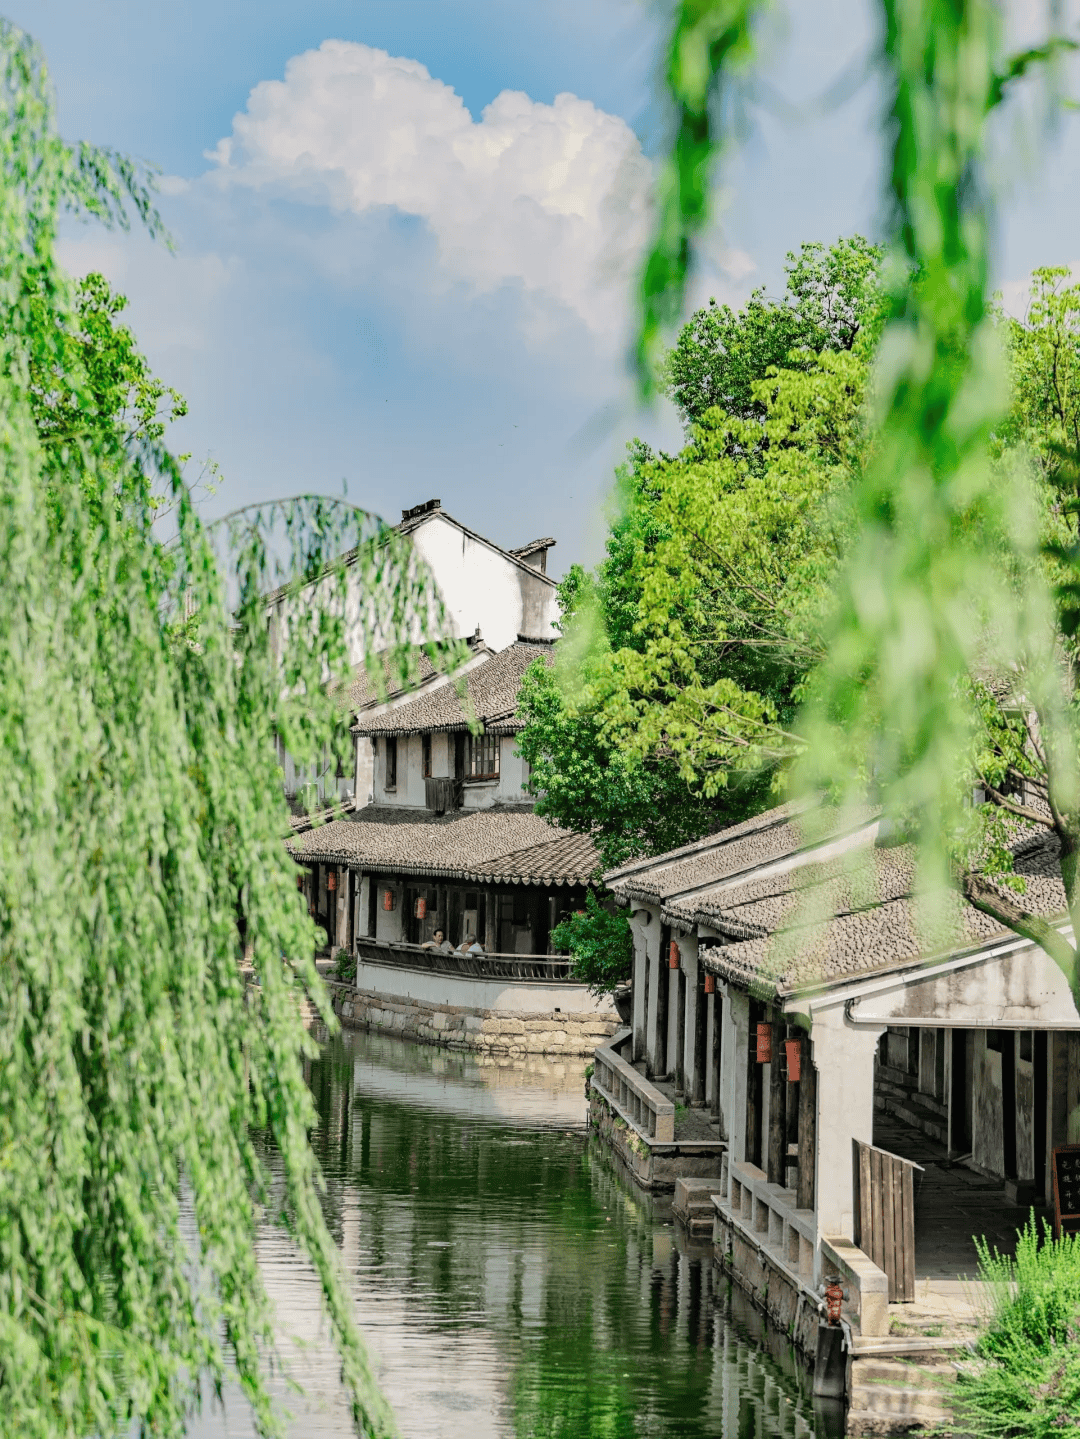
x=680 y=1031
x=717 y=1050
x=807 y=1127
x=753 y=1090
x=663 y=987
x=777 y=1115
x=491 y=921
x=701 y=1016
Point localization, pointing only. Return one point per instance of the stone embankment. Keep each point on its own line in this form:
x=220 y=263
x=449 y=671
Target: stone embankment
x=484 y=1031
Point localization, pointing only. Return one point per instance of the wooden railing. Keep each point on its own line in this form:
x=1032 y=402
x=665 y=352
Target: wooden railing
x=520 y=967
x=885 y=1215
x=621 y=1085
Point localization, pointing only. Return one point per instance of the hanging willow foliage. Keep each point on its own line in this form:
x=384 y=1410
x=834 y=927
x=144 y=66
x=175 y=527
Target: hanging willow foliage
x=943 y=598
x=141 y=822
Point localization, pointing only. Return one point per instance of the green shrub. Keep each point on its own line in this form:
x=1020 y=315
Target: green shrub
x=599 y=943
x=1026 y=1384
x=345 y=966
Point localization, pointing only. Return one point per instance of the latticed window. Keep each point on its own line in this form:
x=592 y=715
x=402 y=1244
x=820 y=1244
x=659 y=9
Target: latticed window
x=483 y=756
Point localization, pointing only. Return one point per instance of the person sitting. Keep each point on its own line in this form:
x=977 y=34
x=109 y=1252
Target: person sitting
x=440 y=942
x=470 y=945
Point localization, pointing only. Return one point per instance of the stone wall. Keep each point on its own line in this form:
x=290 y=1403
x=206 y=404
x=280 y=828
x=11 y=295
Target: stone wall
x=484 y=1030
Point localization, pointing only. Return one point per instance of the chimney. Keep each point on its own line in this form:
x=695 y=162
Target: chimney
x=417 y=510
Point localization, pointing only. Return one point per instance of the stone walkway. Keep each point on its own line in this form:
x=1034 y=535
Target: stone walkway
x=690 y=1124
x=953 y=1205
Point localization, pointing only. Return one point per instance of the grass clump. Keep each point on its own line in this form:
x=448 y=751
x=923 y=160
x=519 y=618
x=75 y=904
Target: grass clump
x=1027 y=1383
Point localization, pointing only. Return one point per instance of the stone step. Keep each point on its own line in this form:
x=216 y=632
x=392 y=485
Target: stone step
x=882 y=1399
x=869 y=1423
x=900 y=1372
x=923 y=1119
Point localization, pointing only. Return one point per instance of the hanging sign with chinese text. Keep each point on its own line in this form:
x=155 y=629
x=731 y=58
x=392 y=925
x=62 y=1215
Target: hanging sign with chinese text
x=1066 y=1169
x=764 y=1044
x=793 y=1051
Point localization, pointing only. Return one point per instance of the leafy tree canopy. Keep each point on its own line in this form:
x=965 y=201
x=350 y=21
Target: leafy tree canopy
x=155 y=948
x=600 y=945
x=832 y=300
x=951 y=638
x=685 y=653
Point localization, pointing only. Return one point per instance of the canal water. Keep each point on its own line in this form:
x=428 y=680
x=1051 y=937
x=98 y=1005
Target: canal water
x=510 y=1283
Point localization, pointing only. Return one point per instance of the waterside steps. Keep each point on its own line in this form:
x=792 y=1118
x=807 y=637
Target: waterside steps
x=658 y=1140
x=898 y=1387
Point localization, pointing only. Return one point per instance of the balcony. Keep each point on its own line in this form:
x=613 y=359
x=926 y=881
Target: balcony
x=521 y=968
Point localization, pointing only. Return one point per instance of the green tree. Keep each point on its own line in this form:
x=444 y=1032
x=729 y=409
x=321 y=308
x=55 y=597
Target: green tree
x=832 y=299
x=599 y=943
x=584 y=780
x=143 y=862
x=949 y=578
x=668 y=711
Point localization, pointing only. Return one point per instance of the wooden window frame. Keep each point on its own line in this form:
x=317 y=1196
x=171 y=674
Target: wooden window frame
x=425 y=755
x=483 y=749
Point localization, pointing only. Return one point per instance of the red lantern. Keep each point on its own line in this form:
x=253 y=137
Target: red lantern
x=793 y=1050
x=331 y=879
x=673 y=955
x=834 y=1300
x=388 y=899
x=764 y=1044
x=421 y=908
x=710 y=983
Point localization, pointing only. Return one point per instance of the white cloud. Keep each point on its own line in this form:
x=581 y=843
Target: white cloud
x=554 y=198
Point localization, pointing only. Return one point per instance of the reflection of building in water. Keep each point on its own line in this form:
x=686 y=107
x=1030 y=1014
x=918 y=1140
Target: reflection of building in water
x=509 y=1281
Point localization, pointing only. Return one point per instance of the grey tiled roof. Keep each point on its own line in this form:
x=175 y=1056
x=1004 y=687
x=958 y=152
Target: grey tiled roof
x=777 y=832
x=568 y=859
x=471 y=845
x=821 y=924
x=492 y=690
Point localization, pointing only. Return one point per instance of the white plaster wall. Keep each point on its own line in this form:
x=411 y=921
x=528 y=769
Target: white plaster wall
x=425 y=987
x=480 y=586
x=843 y=1055
x=513 y=771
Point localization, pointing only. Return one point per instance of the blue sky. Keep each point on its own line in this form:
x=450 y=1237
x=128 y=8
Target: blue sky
x=405 y=229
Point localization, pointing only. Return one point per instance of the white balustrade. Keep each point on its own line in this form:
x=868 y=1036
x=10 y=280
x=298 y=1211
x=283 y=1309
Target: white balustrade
x=631 y=1094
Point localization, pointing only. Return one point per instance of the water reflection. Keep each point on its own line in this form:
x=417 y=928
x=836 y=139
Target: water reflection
x=508 y=1280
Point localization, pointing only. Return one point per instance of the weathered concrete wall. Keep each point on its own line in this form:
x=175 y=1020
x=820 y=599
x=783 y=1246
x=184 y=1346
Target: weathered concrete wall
x=777 y=1294
x=1016 y=988
x=652 y=1165
x=485 y=1031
